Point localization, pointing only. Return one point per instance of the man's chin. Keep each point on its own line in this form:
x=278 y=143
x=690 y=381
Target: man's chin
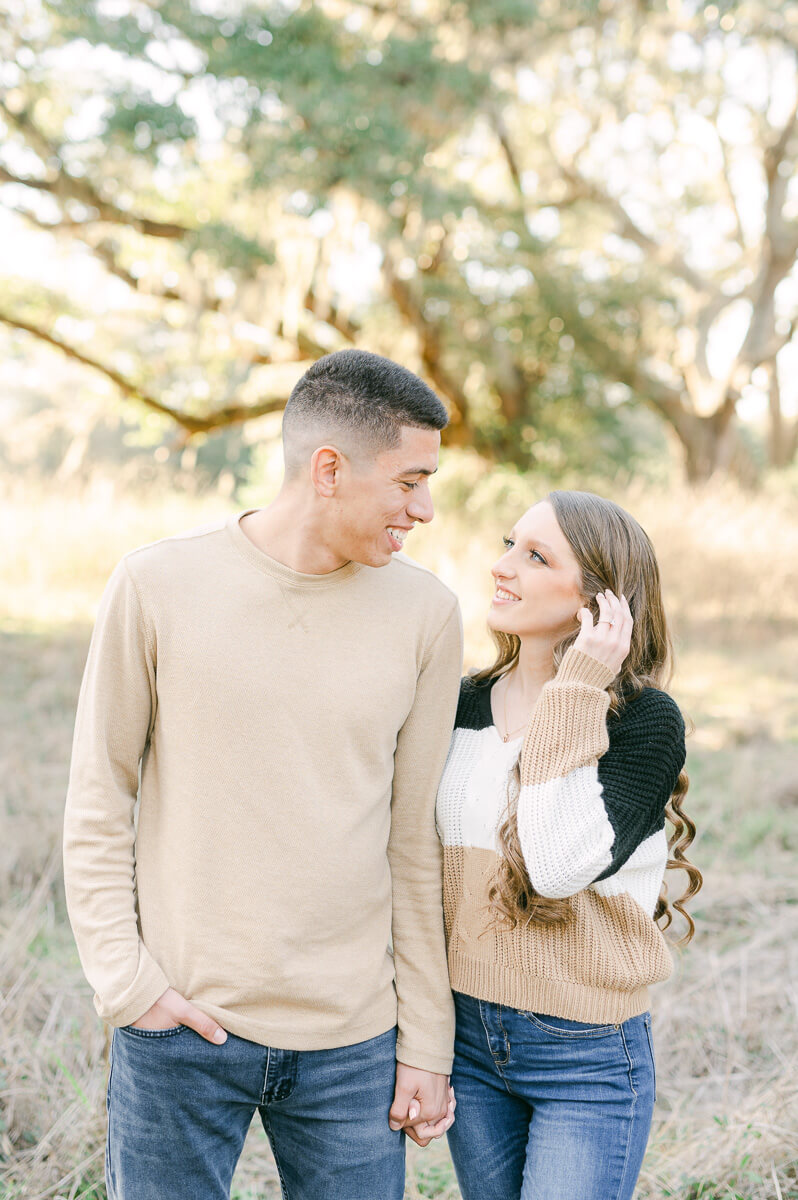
x=373 y=558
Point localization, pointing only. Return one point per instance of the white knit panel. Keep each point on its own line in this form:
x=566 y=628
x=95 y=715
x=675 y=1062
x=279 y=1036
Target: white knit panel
x=565 y=833
x=472 y=796
x=641 y=875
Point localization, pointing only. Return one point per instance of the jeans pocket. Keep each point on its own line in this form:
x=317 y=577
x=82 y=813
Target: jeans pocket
x=562 y=1027
x=153 y=1033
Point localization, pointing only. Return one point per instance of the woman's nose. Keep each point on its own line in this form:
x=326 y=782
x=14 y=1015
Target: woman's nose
x=502 y=566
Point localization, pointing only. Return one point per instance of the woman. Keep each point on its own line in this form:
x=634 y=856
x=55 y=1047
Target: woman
x=566 y=759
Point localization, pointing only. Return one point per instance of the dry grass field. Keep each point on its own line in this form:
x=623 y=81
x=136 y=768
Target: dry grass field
x=726 y=1124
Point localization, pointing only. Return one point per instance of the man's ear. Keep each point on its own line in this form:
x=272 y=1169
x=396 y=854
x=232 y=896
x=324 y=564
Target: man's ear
x=325 y=469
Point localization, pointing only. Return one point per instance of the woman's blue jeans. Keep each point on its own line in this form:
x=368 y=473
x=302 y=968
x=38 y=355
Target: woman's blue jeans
x=549 y=1109
x=179 y=1109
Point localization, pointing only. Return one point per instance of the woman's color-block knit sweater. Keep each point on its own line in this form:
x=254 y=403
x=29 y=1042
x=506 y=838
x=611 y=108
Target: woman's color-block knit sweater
x=591 y=823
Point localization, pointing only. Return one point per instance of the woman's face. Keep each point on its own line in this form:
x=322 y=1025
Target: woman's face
x=538 y=582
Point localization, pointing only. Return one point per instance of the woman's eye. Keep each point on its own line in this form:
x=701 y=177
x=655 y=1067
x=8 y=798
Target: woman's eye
x=539 y=557
x=508 y=542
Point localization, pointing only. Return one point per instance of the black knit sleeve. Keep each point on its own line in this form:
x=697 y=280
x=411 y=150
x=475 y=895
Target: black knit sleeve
x=473 y=707
x=639 y=770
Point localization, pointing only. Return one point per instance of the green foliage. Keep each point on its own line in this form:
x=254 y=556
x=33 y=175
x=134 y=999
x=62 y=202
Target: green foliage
x=230 y=246
x=142 y=126
x=514 y=183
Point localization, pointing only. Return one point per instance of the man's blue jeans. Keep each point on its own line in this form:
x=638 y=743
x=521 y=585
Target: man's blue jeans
x=179 y=1109
x=549 y=1109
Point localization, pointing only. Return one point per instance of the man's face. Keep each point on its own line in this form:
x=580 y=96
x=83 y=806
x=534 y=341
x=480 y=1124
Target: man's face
x=379 y=503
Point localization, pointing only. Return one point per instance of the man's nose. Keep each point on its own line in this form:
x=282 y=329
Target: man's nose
x=420 y=506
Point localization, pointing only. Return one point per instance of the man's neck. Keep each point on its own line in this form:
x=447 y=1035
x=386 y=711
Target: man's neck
x=287 y=532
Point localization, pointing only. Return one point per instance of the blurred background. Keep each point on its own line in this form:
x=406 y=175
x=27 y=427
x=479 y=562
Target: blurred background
x=579 y=223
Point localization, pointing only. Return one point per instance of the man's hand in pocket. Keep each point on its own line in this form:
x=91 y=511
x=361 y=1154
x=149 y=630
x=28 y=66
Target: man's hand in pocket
x=172 y=1009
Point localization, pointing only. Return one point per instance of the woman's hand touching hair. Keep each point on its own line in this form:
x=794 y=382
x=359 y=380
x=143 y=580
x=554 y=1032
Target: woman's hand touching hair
x=609 y=639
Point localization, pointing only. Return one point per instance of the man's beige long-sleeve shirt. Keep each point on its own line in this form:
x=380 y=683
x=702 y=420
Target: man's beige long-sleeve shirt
x=285 y=734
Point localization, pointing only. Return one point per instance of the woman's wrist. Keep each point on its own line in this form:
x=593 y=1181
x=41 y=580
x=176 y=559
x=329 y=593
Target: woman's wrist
x=579 y=667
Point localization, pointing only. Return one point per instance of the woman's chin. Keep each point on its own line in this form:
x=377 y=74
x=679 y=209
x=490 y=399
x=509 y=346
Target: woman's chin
x=500 y=620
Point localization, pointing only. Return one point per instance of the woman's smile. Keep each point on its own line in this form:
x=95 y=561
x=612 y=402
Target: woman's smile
x=504 y=596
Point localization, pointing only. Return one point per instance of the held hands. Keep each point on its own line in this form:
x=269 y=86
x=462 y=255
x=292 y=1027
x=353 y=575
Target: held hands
x=423 y=1104
x=172 y=1009
x=610 y=638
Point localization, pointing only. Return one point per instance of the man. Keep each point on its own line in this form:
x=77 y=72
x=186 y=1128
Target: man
x=279 y=692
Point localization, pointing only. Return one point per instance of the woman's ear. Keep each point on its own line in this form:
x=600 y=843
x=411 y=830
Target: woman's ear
x=590 y=603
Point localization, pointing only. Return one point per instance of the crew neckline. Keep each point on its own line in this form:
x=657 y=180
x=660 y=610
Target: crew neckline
x=484 y=691
x=271 y=566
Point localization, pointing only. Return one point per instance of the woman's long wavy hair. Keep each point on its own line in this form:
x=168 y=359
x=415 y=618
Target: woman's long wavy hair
x=614 y=552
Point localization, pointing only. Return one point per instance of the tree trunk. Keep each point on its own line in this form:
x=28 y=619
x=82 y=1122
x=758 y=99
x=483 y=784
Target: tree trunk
x=782 y=435
x=714 y=447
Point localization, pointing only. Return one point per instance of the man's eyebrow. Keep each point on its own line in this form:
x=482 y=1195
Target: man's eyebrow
x=418 y=471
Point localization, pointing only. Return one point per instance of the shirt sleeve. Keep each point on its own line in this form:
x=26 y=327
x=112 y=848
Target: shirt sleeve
x=426 y=1014
x=639 y=771
x=588 y=800
x=116 y=710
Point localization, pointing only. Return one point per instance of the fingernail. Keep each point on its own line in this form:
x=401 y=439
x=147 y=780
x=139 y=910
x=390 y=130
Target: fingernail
x=220 y=1036
x=414 y=1111
x=394 y=1125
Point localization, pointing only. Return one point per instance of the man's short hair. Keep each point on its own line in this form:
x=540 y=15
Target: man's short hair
x=359 y=401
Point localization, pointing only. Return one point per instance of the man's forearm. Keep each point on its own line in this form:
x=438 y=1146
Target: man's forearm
x=111 y=729
x=426 y=1013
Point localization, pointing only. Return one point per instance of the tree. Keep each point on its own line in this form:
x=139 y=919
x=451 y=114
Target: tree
x=672 y=136
x=522 y=200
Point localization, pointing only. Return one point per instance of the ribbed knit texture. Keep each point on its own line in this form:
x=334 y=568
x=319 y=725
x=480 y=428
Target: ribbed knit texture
x=290 y=729
x=591 y=822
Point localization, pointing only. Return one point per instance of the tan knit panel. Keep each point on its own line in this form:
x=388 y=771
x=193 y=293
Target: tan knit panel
x=568 y=728
x=596 y=966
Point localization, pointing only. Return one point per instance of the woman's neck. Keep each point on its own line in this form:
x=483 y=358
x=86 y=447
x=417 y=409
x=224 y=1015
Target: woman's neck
x=534 y=667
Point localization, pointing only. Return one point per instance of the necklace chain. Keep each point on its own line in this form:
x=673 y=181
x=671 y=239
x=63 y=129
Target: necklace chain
x=509 y=732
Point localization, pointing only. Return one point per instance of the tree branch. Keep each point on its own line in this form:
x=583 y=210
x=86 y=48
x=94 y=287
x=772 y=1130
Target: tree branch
x=329 y=314
x=232 y=414
x=727 y=187
x=105 y=251
x=627 y=228
x=503 y=135
x=67 y=187
x=391 y=10
x=430 y=348
x=778 y=250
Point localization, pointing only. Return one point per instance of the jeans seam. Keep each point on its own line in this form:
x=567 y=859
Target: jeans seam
x=622 y=1181
x=649 y=1039
x=504 y=1031
x=629 y=1061
x=498 y=1065
x=631 y=1114
x=111 y=1185
x=599 y=1031
x=270 y=1135
x=266 y=1076
x=153 y=1034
